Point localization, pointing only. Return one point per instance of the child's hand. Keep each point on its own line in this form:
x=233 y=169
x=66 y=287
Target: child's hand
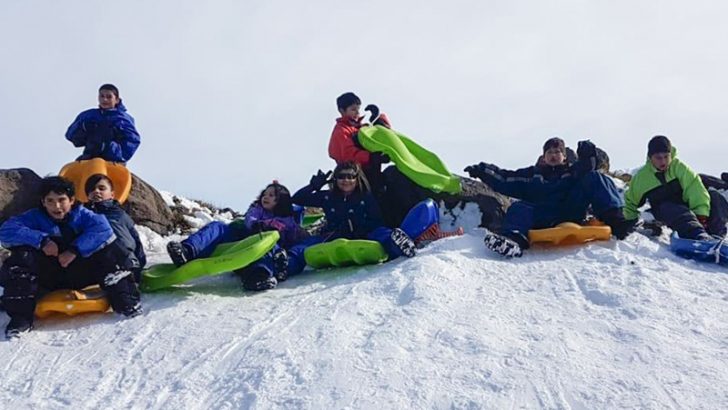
x=50 y=248
x=320 y=179
x=66 y=258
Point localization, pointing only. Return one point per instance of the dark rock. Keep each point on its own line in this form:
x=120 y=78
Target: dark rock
x=402 y=194
x=18 y=191
x=147 y=207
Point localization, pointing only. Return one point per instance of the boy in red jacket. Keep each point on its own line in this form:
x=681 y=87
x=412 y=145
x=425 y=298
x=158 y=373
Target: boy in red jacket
x=344 y=145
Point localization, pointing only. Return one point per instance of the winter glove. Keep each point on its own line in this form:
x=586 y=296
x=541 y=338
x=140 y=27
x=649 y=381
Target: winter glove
x=479 y=170
x=376 y=117
x=320 y=179
x=587 y=158
x=703 y=221
x=380 y=158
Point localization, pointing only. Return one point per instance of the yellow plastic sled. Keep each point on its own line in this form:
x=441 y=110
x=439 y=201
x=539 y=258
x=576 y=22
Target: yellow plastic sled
x=72 y=302
x=80 y=171
x=569 y=233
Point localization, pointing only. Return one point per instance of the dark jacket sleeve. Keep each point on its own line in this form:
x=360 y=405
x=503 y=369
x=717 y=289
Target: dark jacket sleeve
x=139 y=249
x=309 y=196
x=374 y=214
x=517 y=184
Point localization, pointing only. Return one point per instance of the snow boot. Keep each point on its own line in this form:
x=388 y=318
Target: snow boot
x=179 y=253
x=503 y=245
x=405 y=244
x=280 y=264
x=434 y=233
x=614 y=218
x=123 y=293
x=133 y=311
x=17 y=327
x=257 y=279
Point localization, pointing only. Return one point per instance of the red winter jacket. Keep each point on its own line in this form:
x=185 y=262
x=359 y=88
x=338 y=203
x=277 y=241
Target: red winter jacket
x=341 y=146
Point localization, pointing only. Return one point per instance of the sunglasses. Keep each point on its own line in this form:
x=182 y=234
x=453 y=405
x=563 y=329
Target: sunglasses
x=345 y=176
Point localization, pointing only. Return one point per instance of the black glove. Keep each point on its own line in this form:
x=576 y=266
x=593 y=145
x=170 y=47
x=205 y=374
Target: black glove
x=320 y=179
x=380 y=158
x=373 y=112
x=477 y=170
x=355 y=140
x=586 y=149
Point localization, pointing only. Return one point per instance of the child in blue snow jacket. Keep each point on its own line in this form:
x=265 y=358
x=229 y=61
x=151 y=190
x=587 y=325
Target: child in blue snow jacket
x=106 y=132
x=100 y=192
x=351 y=213
x=272 y=210
x=61 y=245
x=553 y=191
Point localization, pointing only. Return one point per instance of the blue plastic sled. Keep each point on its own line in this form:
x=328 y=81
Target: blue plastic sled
x=420 y=217
x=715 y=251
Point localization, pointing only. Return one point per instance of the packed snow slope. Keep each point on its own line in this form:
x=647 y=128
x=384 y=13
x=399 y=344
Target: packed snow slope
x=602 y=326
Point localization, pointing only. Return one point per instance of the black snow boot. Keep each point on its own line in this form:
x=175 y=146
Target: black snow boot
x=123 y=293
x=621 y=227
x=280 y=264
x=258 y=278
x=503 y=245
x=179 y=253
x=405 y=244
x=17 y=327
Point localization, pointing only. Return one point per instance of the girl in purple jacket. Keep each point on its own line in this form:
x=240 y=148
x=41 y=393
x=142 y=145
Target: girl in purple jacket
x=273 y=210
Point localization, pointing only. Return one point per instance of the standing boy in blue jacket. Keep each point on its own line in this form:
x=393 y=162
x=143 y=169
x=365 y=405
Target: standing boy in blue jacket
x=106 y=132
x=62 y=246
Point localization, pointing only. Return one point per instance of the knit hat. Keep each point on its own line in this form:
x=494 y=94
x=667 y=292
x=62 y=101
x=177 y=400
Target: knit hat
x=555 y=142
x=658 y=144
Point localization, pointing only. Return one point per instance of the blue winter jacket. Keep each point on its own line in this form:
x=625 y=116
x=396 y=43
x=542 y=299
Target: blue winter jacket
x=538 y=184
x=123 y=227
x=108 y=134
x=84 y=231
x=350 y=216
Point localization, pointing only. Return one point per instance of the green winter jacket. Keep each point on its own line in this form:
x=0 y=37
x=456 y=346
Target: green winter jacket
x=681 y=184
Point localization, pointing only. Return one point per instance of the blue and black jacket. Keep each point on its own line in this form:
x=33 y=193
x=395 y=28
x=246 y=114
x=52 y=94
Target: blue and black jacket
x=123 y=226
x=108 y=134
x=81 y=231
x=350 y=216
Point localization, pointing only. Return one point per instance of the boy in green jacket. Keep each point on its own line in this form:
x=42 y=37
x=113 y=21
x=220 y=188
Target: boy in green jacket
x=676 y=194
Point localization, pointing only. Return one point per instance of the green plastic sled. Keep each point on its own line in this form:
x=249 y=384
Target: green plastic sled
x=345 y=252
x=226 y=257
x=420 y=165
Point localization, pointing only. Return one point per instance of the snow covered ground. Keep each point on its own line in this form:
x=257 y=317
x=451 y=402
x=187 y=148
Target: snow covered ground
x=603 y=326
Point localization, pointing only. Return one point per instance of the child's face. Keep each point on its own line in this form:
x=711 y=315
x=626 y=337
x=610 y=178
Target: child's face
x=101 y=192
x=107 y=99
x=554 y=157
x=661 y=160
x=351 y=112
x=57 y=205
x=346 y=181
x=269 y=201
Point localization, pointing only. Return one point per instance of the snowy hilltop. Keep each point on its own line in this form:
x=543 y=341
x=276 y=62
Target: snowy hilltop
x=607 y=325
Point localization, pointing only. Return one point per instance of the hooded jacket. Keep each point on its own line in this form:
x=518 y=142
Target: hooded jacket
x=81 y=231
x=341 y=144
x=123 y=227
x=108 y=134
x=678 y=184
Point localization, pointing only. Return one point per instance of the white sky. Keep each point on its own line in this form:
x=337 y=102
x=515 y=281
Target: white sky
x=228 y=95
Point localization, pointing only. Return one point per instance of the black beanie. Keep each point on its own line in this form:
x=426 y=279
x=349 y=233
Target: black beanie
x=110 y=87
x=658 y=144
x=555 y=142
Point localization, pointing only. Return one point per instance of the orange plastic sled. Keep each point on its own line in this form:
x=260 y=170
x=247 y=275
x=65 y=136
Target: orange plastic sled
x=80 y=171
x=72 y=302
x=569 y=233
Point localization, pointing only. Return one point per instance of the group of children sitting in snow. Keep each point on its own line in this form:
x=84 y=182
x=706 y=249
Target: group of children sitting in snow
x=62 y=245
